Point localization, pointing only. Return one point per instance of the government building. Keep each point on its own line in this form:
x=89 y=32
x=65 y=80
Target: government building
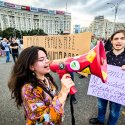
x=25 y=18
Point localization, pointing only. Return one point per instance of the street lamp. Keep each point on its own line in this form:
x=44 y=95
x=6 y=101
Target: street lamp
x=66 y=5
x=116 y=10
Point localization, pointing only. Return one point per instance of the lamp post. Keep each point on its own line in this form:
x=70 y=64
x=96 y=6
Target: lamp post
x=116 y=6
x=66 y=5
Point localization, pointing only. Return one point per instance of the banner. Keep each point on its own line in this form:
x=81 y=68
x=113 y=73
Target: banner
x=33 y=9
x=113 y=90
x=61 y=46
x=10 y=5
x=43 y=10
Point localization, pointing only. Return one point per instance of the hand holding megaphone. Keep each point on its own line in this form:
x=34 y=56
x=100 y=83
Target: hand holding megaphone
x=67 y=83
x=60 y=68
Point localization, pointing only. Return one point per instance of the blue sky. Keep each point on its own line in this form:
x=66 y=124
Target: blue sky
x=83 y=11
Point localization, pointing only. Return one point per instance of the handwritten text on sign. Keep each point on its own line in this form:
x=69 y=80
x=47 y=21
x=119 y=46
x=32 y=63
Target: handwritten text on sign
x=113 y=90
x=61 y=46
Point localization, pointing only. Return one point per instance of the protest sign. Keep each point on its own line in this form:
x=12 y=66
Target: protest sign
x=113 y=90
x=61 y=46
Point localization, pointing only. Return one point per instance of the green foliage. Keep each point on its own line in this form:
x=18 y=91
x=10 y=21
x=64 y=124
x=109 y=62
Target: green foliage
x=0 y=33
x=8 y=32
x=12 y=32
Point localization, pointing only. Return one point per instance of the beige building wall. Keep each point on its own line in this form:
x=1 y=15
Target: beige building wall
x=27 y=20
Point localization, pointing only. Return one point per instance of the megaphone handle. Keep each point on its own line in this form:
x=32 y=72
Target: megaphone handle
x=73 y=90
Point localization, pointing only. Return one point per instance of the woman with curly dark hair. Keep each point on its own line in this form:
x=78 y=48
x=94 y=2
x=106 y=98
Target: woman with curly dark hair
x=33 y=88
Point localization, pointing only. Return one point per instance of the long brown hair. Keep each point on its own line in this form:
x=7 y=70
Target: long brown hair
x=21 y=73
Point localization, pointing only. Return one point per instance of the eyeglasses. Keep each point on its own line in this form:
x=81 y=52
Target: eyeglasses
x=43 y=59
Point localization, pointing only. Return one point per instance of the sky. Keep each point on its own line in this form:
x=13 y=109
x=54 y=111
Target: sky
x=82 y=11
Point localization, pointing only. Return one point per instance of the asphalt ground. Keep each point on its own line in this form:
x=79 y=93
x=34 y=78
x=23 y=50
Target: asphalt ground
x=83 y=110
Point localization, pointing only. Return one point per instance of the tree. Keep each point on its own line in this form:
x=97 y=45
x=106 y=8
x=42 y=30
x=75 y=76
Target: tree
x=24 y=33
x=12 y=32
x=8 y=32
x=41 y=32
x=36 y=32
x=18 y=35
x=1 y=33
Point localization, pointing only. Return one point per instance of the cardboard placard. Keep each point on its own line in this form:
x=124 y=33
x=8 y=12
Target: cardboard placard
x=61 y=46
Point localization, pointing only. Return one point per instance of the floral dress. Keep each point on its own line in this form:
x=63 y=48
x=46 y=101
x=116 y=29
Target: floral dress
x=40 y=108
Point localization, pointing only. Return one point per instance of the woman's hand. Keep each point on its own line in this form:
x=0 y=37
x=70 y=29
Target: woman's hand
x=123 y=67
x=67 y=83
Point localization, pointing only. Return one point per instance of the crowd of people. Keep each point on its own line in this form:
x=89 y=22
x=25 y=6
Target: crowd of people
x=34 y=88
x=10 y=46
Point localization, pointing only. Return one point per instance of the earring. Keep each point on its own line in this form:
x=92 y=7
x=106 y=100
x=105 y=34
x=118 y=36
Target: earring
x=33 y=73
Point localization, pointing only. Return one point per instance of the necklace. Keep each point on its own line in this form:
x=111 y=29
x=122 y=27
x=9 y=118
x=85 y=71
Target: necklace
x=46 y=83
x=43 y=84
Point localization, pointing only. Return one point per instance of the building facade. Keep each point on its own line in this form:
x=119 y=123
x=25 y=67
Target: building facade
x=25 y=18
x=104 y=28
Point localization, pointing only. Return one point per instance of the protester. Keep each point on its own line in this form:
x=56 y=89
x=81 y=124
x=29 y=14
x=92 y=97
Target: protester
x=33 y=87
x=108 y=45
x=93 y=41
x=114 y=57
x=14 y=49
x=73 y=96
x=21 y=43
x=18 y=41
x=2 y=53
x=6 y=49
